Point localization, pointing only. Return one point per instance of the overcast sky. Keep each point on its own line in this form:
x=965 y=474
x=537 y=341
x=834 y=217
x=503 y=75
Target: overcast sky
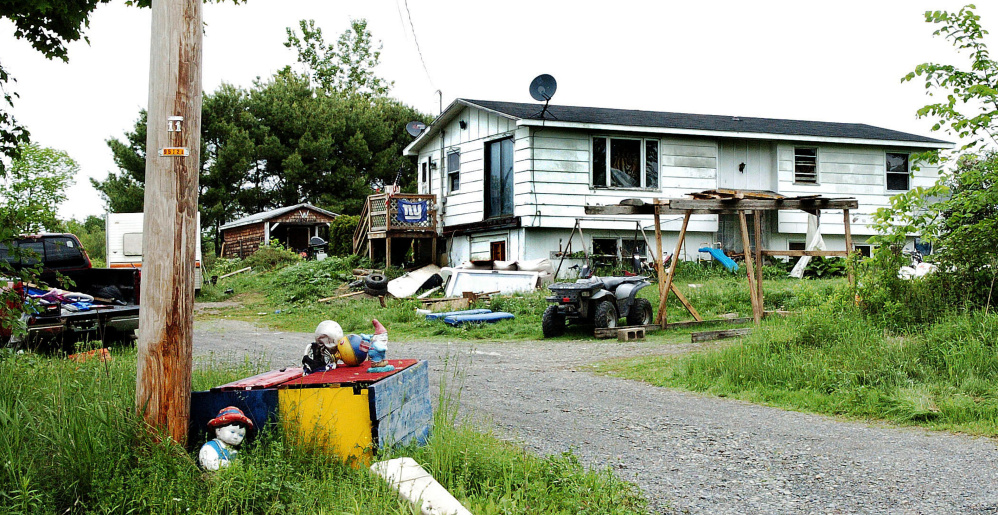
x=832 y=61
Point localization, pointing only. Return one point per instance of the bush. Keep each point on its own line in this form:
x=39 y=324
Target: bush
x=270 y=257
x=341 y=235
x=310 y=280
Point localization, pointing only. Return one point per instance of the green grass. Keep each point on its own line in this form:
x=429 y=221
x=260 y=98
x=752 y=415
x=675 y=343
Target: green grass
x=71 y=443
x=836 y=361
x=286 y=299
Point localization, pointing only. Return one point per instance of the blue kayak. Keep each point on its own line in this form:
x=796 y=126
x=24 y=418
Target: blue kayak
x=441 y=316
x=480 y=317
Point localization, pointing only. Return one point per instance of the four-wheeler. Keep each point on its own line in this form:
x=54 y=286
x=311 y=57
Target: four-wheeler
x=600 y=301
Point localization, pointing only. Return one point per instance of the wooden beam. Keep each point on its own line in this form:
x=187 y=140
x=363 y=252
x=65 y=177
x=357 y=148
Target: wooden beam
x=758 y=204
x=705 y=336
x=682 y=298
x=756 y=307
x=672 y=270
x=757 y=222
x=849 y=249
x=166 y=316
x=693 y=323
x=659 y=261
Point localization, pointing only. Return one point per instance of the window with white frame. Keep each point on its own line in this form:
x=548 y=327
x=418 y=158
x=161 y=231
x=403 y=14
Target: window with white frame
x=454 y=170
x=625 y=163
x=805 y=165
x=897 y=172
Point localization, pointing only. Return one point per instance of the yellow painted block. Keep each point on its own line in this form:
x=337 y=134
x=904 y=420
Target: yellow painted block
x=331 y=418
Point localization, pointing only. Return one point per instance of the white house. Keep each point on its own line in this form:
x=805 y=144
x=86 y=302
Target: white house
x=512 y=181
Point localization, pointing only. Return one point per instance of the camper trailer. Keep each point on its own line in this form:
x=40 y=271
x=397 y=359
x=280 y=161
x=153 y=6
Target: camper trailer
x=124 y=243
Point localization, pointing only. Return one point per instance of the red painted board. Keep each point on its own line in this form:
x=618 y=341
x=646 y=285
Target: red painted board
x=348 y=375
x=264 y=380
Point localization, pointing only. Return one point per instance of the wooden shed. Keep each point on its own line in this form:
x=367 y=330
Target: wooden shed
x=292 y=226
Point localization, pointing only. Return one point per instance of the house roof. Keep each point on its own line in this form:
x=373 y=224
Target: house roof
x=599 y=118
x=274 y=213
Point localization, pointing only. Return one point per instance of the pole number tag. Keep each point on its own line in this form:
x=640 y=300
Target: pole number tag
x=173 y=151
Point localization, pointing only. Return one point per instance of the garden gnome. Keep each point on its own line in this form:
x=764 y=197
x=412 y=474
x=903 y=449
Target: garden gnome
x=379 y=346
x=230 y=428
x=320 y=355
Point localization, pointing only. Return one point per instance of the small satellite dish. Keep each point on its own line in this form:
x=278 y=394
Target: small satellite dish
x=542 y=88
x=415 y=128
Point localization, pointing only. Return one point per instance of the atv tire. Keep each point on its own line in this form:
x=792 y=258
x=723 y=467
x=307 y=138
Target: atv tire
x=641 y=313
x=606 y=315
x=552 y=322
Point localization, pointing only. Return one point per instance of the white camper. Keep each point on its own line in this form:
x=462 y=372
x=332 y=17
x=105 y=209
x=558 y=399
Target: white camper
x=124 y=243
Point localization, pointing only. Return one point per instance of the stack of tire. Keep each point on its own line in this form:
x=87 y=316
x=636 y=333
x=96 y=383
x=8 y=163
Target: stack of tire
x=376 y=285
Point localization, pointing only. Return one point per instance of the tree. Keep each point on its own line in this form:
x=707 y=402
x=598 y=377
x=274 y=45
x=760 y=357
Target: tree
x=284 y=141
x=959 y=214
x=346 y=67
x=34 y=187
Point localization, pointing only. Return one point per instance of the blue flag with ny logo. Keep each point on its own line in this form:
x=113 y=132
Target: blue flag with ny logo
x=412 y=212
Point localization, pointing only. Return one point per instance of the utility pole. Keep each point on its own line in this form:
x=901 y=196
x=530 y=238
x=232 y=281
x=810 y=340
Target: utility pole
x=166 y=314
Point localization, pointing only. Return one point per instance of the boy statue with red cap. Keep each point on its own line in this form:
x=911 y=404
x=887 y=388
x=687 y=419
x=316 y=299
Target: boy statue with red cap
x=230 y=428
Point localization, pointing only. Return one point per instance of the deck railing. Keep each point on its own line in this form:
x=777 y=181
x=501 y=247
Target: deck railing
x=385 y=214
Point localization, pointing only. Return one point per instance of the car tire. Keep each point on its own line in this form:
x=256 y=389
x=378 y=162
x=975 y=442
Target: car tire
x=641 y=313
x=606 y=315
x=376 y=282
x=552 y=322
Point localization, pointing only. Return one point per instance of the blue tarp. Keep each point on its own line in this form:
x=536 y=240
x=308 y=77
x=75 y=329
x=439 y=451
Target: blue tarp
x=441 y=316
x=482 y=317
x=721 y=258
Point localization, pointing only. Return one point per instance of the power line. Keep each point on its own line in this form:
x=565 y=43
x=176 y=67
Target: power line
x=412 y=28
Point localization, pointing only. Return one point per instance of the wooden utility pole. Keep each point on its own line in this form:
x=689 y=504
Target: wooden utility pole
x=166 y=316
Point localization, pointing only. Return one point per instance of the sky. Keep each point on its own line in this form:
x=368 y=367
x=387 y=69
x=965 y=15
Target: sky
x=828 y=61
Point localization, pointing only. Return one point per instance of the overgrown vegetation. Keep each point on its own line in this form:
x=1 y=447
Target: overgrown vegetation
x=72 y=444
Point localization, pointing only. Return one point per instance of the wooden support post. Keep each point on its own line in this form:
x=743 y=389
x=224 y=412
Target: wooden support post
x=388 y=251
x=659 y=259
x=849 y=249
x=173 y=158
x=433 y=249
x=756 y=220
x=672 y=269
x=746 y=244
x=686 y=303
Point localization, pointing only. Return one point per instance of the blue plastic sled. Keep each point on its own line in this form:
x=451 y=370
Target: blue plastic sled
x=441 y=316
x=481 y=317
x=721 y=258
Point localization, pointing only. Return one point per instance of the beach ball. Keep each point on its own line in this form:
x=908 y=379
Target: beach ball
x=349 y=348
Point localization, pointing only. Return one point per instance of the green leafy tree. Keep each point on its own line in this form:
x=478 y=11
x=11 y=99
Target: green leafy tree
x=959 y=213
x=34 y=187
x=347 y=67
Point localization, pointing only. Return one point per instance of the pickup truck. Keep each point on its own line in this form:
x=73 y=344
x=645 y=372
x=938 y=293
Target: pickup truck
x=113 y=314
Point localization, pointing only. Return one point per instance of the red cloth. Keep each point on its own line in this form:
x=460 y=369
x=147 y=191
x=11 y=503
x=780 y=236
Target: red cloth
x=344 y=374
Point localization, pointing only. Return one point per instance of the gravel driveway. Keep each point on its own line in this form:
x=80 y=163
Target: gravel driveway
x=689 y=453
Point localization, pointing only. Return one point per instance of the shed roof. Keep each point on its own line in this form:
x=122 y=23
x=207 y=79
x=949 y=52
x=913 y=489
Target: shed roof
x=684 y=123
x=274 y=213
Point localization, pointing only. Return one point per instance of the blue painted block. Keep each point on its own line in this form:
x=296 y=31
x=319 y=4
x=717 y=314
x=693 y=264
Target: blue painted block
x=441 y=316
x=484 y=317
x=400 y=407
x=259 y=405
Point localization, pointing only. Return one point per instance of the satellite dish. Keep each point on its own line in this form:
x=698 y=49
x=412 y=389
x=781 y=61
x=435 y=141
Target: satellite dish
x=415 y=128
x=542 y=88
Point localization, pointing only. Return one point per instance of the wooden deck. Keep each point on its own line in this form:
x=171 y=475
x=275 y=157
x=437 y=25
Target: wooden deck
x=401 y=215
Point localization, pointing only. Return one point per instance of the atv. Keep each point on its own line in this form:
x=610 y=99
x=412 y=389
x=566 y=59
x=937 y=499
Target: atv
x=598 y=301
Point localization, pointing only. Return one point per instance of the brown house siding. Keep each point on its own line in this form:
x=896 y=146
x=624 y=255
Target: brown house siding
x=240 y=242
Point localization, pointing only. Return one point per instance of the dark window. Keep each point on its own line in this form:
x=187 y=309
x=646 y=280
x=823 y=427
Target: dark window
x=454 y=170
x=625 y=163
x=424 y=172
x=63 y=253
x=497 y=251
x=796 y=245
x=865 y=250
x=499 y=178
x=897 y=172
x=806 y=165
x=629 y=248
